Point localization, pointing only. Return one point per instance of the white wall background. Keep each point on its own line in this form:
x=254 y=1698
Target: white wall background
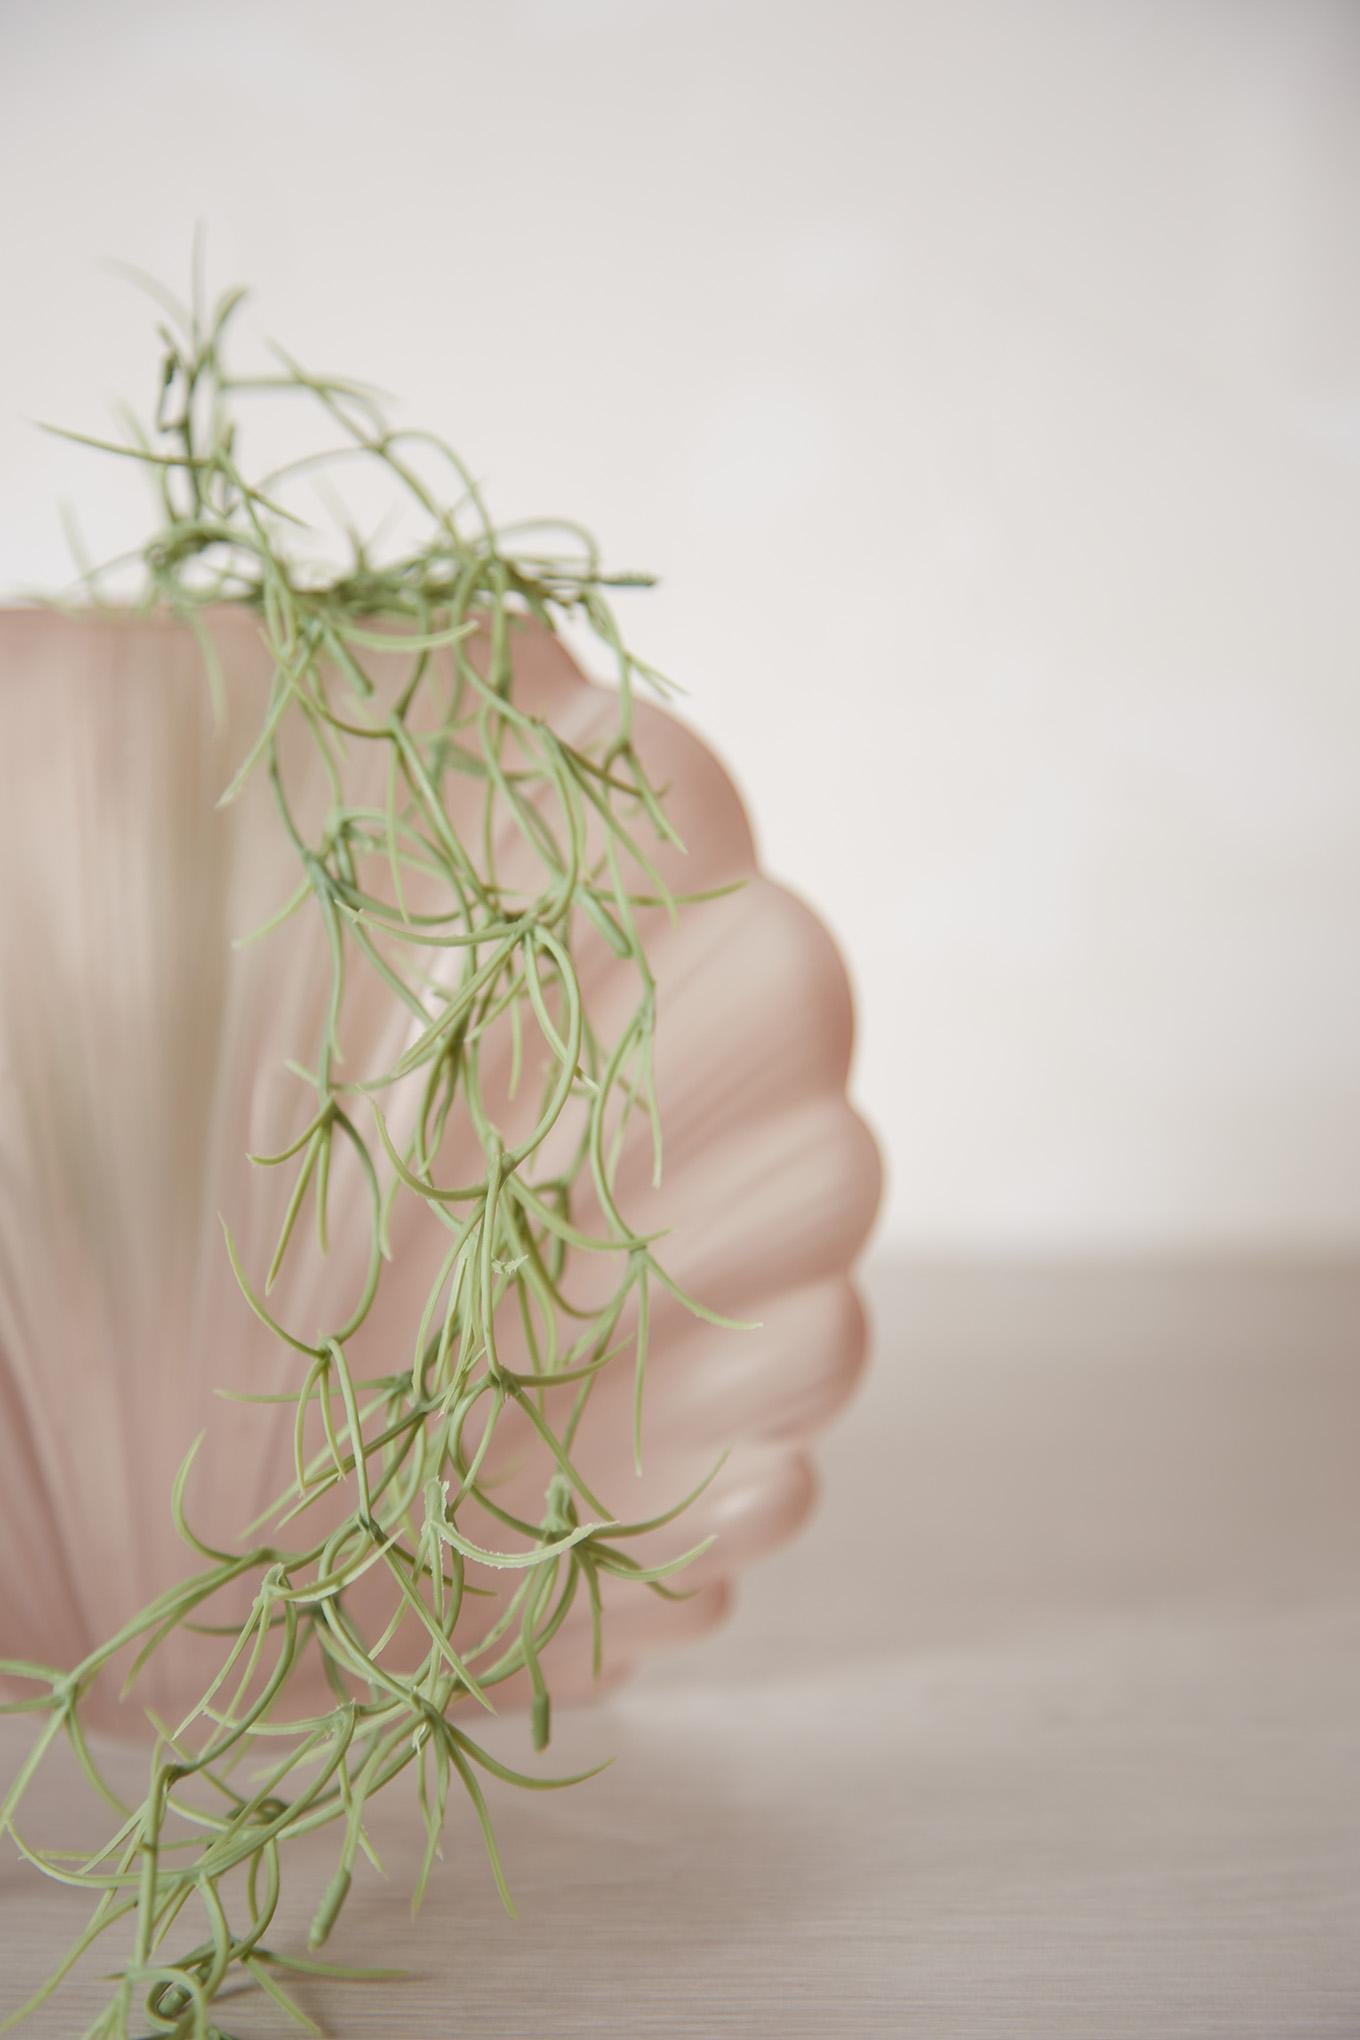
x=984 y=380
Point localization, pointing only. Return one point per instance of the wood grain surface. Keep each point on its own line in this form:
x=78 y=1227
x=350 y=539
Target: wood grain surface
x=1049 y=1726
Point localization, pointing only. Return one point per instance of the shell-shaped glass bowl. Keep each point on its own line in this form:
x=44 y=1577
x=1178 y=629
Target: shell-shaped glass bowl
x=142 y=1055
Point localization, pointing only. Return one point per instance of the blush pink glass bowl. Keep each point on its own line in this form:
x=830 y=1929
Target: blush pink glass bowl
x=141 y=1056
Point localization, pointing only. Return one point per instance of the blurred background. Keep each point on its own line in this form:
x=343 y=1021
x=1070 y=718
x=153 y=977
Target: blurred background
x=983 y=383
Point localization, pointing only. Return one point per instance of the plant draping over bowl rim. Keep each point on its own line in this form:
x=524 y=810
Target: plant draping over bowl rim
x=405 y=654
x=397 y=1446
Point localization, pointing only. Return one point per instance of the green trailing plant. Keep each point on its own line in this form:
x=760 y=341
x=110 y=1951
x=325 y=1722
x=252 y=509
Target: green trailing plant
x=191 y=1876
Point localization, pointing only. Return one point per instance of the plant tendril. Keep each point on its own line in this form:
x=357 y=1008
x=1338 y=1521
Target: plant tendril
x=479 y=965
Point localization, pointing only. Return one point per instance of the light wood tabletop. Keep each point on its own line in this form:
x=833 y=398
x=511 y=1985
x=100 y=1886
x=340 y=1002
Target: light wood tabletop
x=1049 y=1725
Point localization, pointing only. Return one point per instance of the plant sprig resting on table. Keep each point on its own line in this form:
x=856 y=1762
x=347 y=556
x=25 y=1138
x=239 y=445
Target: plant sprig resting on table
x=205 y=1852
